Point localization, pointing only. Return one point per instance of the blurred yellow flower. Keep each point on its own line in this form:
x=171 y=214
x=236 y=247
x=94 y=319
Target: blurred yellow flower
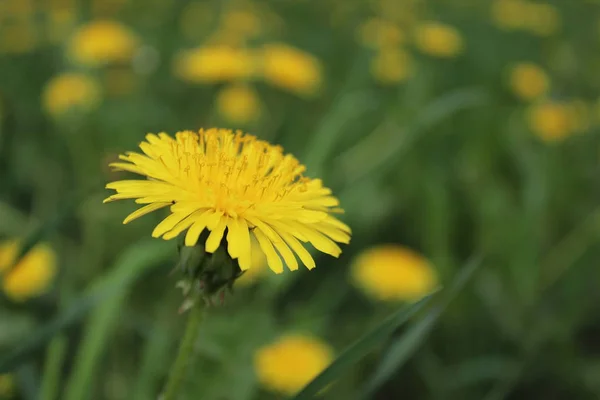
x=7 y=386
x=393 y=273
x=70 y=91
x=551 y=121
x=292 y=69
x=18 y=37
x=238 y=103
x=438 y=40
x=291 y=362
x=542 y=19
x=32 y=275
x=215 y=64
x=377 y=33
x=529 y=81
x=102 y=42
x=391 y=65
x=509 y=14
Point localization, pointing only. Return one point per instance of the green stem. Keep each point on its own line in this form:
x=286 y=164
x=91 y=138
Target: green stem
x=53 y=367
x=179 y=368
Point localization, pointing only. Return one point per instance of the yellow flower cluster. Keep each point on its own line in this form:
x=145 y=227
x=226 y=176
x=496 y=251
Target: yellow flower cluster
x=541 y=19
x=31 y=276
x=393 y=273
x=291 y=362
x=391 y=63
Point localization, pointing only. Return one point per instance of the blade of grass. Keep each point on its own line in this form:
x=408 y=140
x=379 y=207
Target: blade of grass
x=53 y=367
x=103 y=288
x=135 y=261
x=405 y=346
x=359 y=349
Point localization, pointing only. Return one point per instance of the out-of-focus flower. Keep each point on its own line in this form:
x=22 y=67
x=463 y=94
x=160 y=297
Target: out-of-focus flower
x=102 y=42
x=529 y=81
x=217 y=180
x=542 y=19
x=31 y=276
x=509 y=14
x=238 y=103
x=292 y=69
x=291 y=362
x=119 y=81
x=70 y=91
x=393 y=273
x=215 y=64
x=378 y=33
x=7 y=386
x=391 y=66
x=438 y=40
x=551 y=121
x=18 y=37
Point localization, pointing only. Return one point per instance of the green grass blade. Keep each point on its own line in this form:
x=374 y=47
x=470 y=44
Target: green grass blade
x=359 y=349
x=406 y=345
x=112 y=283
x=53 y=366
x=136 y=260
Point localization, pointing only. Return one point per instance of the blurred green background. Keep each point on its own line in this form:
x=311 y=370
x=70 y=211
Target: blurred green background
x=450 y=130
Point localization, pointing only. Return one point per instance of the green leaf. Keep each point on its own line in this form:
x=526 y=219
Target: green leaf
x=127 y=268
x=405 y=346
x=359 y=349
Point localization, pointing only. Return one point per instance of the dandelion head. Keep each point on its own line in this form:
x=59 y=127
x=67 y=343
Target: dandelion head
x=393 y=273
x=238 y=103
x=377 y=33
x=70 y=92
x=291 y=69
x=509 y=14
x=232 y=186
x=213 y=64
x=391 y=66
x=291 y=362
x=528 y=81
x=102 y=42
x=33 y=273
x=551 y=121
x=438 y=40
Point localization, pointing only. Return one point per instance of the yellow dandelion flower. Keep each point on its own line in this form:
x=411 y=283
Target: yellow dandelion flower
x=291 y=69
x=529 y=81
x=291 y=362
x=438 y=40
x=238 y=103
x=510 y=14
x=102 y=42
x=32 y=275
x=219 y=180
x=215 y=64
x=70 y=91
x=7 y=386
x=377 y=33
x=542 y=19
x=391 y=66
x=551 y=121
x=393 y=273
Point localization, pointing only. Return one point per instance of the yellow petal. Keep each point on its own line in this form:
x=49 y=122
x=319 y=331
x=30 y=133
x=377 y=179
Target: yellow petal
x=178 y=228
x=279 y=244
x=318 y=240
x=273 y=259
x=199 y=219
x=334 y=233
x=144 y=210
x=303 y=254
x=243 y=240
x=167 y=224
x=216 y=235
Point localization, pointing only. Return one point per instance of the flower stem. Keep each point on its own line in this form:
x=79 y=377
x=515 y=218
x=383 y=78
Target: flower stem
x=186 y=347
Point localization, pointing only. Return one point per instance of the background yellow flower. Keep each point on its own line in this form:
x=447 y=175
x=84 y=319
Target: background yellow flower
x=102 y=42
x=438 y=39
x=392 y=273
x=238 y=103
x=70 y=91
x=215 y=64
x=31 y=276
x=288 y=364
x=529 y=81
